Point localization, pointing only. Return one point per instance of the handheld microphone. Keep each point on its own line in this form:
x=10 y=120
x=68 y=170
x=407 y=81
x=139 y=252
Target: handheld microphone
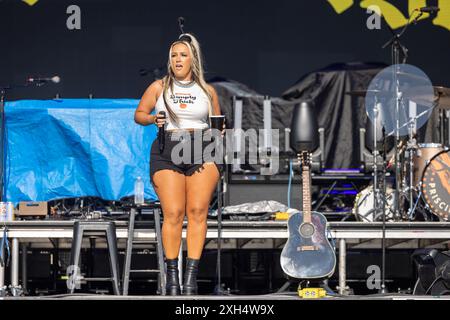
x=55 y=79
x=430 y=9
x=161 y=133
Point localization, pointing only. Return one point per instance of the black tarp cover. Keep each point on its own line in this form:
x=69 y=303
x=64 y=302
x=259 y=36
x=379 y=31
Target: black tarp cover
x=340 y=114
x=253 y=114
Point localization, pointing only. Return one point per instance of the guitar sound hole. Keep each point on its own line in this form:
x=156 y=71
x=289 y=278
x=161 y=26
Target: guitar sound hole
x=307 y=230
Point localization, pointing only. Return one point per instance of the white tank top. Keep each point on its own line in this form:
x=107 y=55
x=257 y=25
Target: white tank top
x=189 y=102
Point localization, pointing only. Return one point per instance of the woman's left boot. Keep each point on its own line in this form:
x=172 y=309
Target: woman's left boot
x=190 y=277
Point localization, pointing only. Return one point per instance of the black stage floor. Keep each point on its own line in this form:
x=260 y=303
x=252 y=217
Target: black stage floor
x=266 y=297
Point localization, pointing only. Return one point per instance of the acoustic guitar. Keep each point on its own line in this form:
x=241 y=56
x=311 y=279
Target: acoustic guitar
x=307 y=254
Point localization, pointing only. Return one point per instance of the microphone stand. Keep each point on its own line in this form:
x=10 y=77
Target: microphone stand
x=2 y=140
x=398 y=48
x=376 y=190
x=395 y=51
x=218 y=289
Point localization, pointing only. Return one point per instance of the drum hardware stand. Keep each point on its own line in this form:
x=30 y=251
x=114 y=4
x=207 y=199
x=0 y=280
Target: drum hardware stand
x=411 y=148
x=16 y=291
x=441 y=127
x=447 y=126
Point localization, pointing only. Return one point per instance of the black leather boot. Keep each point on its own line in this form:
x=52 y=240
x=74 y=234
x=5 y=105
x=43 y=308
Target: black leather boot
x=190 y=277
x=172 y=278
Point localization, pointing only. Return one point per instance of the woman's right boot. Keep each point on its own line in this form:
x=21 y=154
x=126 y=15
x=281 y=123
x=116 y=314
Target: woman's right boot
x=172 y=278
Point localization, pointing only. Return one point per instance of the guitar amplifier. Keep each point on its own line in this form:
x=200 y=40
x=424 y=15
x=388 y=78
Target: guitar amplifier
x=32 y=209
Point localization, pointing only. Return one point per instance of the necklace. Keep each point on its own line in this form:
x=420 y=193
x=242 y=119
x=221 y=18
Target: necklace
x=184 y=85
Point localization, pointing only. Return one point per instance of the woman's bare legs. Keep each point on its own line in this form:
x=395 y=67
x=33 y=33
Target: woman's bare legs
x=199 y=190
x=170 y=186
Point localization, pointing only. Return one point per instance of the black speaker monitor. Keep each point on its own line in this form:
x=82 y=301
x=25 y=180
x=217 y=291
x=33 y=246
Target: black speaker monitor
x=304 y=128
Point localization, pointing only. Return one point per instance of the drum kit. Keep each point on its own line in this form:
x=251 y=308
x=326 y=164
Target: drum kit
x=399 y=100
x=424 y=179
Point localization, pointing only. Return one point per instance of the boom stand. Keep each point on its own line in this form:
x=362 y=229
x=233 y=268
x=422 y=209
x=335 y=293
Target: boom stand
x=396 y=49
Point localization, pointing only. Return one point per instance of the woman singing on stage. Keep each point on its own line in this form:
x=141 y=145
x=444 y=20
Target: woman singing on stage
x=183 y=189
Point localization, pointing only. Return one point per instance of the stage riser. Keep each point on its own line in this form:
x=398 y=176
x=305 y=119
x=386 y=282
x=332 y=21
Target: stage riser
x=243 y=271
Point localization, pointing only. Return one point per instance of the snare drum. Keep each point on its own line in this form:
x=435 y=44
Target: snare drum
x=436 y=185
x=425 y=153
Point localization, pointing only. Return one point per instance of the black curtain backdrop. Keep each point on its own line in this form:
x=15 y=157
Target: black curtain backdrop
x=340 y=114
x=267 y=45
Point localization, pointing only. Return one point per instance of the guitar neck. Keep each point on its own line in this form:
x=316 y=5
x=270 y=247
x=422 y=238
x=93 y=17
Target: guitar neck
x=306 y=189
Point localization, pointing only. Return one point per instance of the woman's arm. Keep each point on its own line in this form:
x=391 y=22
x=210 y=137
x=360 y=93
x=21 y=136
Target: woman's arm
x=142 y=114
x=215 y=101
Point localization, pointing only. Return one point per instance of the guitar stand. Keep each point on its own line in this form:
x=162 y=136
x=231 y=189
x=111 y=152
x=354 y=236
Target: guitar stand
x=315 y=284
x=325 y=196
x=318 y=284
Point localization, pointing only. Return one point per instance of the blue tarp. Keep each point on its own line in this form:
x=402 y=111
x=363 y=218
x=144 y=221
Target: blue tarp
x=74 y=148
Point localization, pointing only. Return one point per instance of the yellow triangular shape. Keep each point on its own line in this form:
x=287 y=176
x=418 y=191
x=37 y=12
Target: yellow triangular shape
x=30 y=2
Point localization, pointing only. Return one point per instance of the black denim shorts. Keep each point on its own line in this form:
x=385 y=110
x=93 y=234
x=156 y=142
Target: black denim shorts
x=188 y=156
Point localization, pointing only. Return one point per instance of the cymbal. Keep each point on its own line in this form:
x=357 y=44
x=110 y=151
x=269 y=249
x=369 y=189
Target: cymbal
x=405 y=76
x=420 y=95
x=362 y=93
x=423 y=95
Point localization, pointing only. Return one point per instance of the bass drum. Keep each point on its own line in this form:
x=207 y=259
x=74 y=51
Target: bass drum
x=425 y=153
x=435 y=185
x=364 y=209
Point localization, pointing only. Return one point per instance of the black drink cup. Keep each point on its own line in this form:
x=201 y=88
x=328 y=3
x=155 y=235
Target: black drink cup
x=217 y=122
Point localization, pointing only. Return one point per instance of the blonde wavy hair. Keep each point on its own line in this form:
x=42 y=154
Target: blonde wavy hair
x=196 y=67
